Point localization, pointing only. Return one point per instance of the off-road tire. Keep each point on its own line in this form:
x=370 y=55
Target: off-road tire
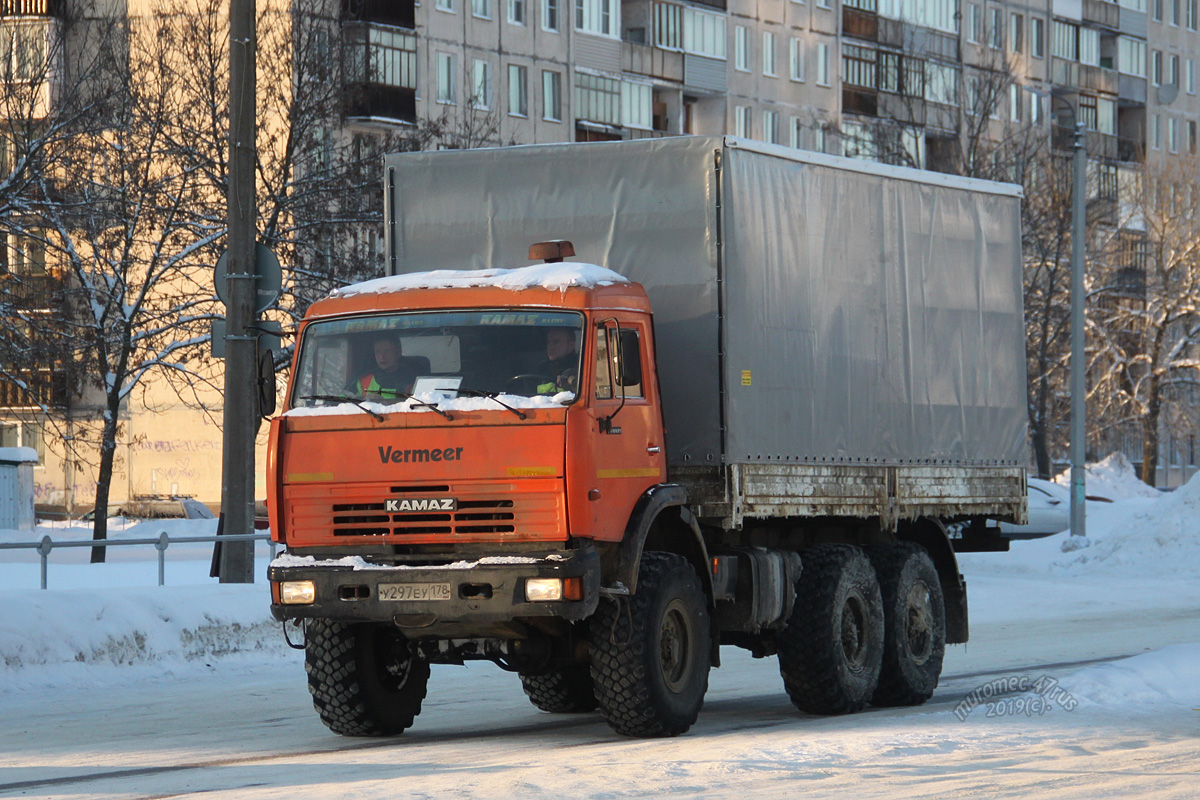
x=561 y=691
x=651 y=651
x=914 y=624
x=365 y=680
x=831 y=650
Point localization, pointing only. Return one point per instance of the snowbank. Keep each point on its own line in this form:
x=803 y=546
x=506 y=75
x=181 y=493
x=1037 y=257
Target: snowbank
x=1113 y=477
x=1168 y=676
x=123 y=627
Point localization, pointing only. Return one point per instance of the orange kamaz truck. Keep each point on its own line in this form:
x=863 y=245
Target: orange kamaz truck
x=616 y=405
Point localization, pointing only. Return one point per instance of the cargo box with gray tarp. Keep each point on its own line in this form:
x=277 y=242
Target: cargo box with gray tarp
x=835 y=338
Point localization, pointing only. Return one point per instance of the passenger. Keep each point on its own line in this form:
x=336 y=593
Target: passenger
x=394 y=375
x=562 y=362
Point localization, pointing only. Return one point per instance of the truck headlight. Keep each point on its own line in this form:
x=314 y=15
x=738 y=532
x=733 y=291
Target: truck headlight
x=297 y=593
x=550 y=590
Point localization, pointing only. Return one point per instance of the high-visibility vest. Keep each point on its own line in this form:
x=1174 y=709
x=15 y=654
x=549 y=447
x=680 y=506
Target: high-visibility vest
x=371 y=386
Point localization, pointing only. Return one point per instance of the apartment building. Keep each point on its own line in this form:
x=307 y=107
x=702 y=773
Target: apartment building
x=902 y=81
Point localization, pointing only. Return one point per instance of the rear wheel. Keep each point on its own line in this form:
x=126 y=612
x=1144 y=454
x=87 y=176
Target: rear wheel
x=365 y=680
x=914 y=616
x=561 y=691
x=831 y=650
x=651 y=651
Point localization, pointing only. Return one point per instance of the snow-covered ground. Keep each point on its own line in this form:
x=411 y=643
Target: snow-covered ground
x=1081 y=680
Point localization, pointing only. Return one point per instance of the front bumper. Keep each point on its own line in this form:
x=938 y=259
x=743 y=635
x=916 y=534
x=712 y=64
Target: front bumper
x=482 y=590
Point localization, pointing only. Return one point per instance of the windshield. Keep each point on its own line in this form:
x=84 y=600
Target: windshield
x=439 y=354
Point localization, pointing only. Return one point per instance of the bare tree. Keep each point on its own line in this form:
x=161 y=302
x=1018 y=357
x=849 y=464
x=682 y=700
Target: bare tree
x=1147 y=315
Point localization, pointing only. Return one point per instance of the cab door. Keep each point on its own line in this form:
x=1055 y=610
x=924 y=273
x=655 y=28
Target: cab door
x=622 y=447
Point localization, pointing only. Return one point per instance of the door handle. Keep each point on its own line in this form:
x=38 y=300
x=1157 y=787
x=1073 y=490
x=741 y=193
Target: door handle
x=653 y=449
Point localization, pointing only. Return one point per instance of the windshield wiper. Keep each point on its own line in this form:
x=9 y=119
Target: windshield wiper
x=430 y=406
x=337 y=398
x=492 y=396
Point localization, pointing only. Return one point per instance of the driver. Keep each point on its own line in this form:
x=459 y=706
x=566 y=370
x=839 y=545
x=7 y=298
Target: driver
x=562 y=362
x=393 y=376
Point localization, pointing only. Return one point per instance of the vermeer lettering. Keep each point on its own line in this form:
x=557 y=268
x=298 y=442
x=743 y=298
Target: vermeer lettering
x=391 y=454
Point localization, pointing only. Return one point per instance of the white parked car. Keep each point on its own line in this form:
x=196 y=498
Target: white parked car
x=1049 y=512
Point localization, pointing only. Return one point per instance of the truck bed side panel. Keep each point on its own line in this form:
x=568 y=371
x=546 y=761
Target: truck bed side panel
x=870 y=319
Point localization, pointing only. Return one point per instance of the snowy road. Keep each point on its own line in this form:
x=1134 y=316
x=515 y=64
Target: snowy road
x=248 y=730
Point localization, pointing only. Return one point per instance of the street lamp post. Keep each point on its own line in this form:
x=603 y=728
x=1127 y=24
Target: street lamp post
x=1078 y=382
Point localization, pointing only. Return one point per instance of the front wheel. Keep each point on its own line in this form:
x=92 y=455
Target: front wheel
x=567 y=690
x=651 y=651
x=365 y=680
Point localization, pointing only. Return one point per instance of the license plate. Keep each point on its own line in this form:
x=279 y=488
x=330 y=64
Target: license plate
x=414 y=592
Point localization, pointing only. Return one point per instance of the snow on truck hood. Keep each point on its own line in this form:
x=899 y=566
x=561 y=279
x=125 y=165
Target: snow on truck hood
x=559 y=277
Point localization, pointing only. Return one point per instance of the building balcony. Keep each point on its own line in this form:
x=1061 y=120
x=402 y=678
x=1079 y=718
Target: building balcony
x=387 y=12
x=858 y=100
x=1098 y=79
x=380 y=67
x=35 y=389
x=1131 y=149
x=643 y=59
x=32 y=8
x=31 y=292
x=1100 y=12
x=860 y=24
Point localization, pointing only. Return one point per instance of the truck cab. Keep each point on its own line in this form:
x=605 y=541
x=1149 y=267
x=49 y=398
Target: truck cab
x=478 y=498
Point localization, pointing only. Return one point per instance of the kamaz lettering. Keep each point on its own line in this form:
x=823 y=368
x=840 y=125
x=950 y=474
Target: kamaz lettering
x=427 y=504
x=387 y=454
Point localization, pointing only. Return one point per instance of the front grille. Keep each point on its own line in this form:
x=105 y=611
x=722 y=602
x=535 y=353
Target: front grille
x=528 y=509
x=472 y=516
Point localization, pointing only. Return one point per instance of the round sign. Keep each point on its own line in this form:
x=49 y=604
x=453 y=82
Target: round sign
x=267 y=271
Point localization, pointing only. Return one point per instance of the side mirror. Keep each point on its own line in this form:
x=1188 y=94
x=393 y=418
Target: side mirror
x=265 y=383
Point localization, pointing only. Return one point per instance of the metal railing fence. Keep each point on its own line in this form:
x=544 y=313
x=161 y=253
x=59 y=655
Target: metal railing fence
x=161 y=544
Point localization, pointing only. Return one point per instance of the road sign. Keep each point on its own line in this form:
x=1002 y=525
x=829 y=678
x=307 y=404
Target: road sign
x=266 y=270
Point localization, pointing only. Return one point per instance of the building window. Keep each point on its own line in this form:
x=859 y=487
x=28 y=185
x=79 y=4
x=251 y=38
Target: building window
x=858 y=66
x=1015 y=102
x=704 y=33
x=797 y=133
x=518 y=90
x=1106 y=116
x=1192 y=136
x=1016 y=32
x=481 y=84
x=668 y=26
x=819 y=138
x=796 y=59
x=597 y=16
x=995 y=28
x=550 y=15
x=597 y=99
x=1037 y=37
x=1190 y=13
x=1155 y=132
x=1131 y=56
x=1189 y=76
x=637 y=105
x=552 y=96
x=823 y=64
x=1035 y=110
x=770 y=127
x=1089 y=46
x=1156 y=67
x=1173 y=134
x=516 y=12
x=741 y=121
x=768 y=54
x=482 y=8
x=445 y=78
x=1066 y=41
x=445 y=5
x=974 y=23
x=941 y=83
x=741 y=48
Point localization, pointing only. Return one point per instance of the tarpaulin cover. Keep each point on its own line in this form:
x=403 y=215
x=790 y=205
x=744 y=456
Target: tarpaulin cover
x=870 y=314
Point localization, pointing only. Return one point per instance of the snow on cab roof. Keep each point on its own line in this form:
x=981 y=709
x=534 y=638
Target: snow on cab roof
x=559 y=276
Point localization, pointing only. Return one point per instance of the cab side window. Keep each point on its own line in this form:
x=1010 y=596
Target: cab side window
x=618 y=363
x=604 y=387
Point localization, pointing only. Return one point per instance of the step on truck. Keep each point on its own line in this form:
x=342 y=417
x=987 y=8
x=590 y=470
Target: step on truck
x=737 y=395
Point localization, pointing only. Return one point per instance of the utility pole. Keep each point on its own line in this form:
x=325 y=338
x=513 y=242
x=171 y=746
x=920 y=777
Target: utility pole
x=241 y=412
x=1078 y=377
